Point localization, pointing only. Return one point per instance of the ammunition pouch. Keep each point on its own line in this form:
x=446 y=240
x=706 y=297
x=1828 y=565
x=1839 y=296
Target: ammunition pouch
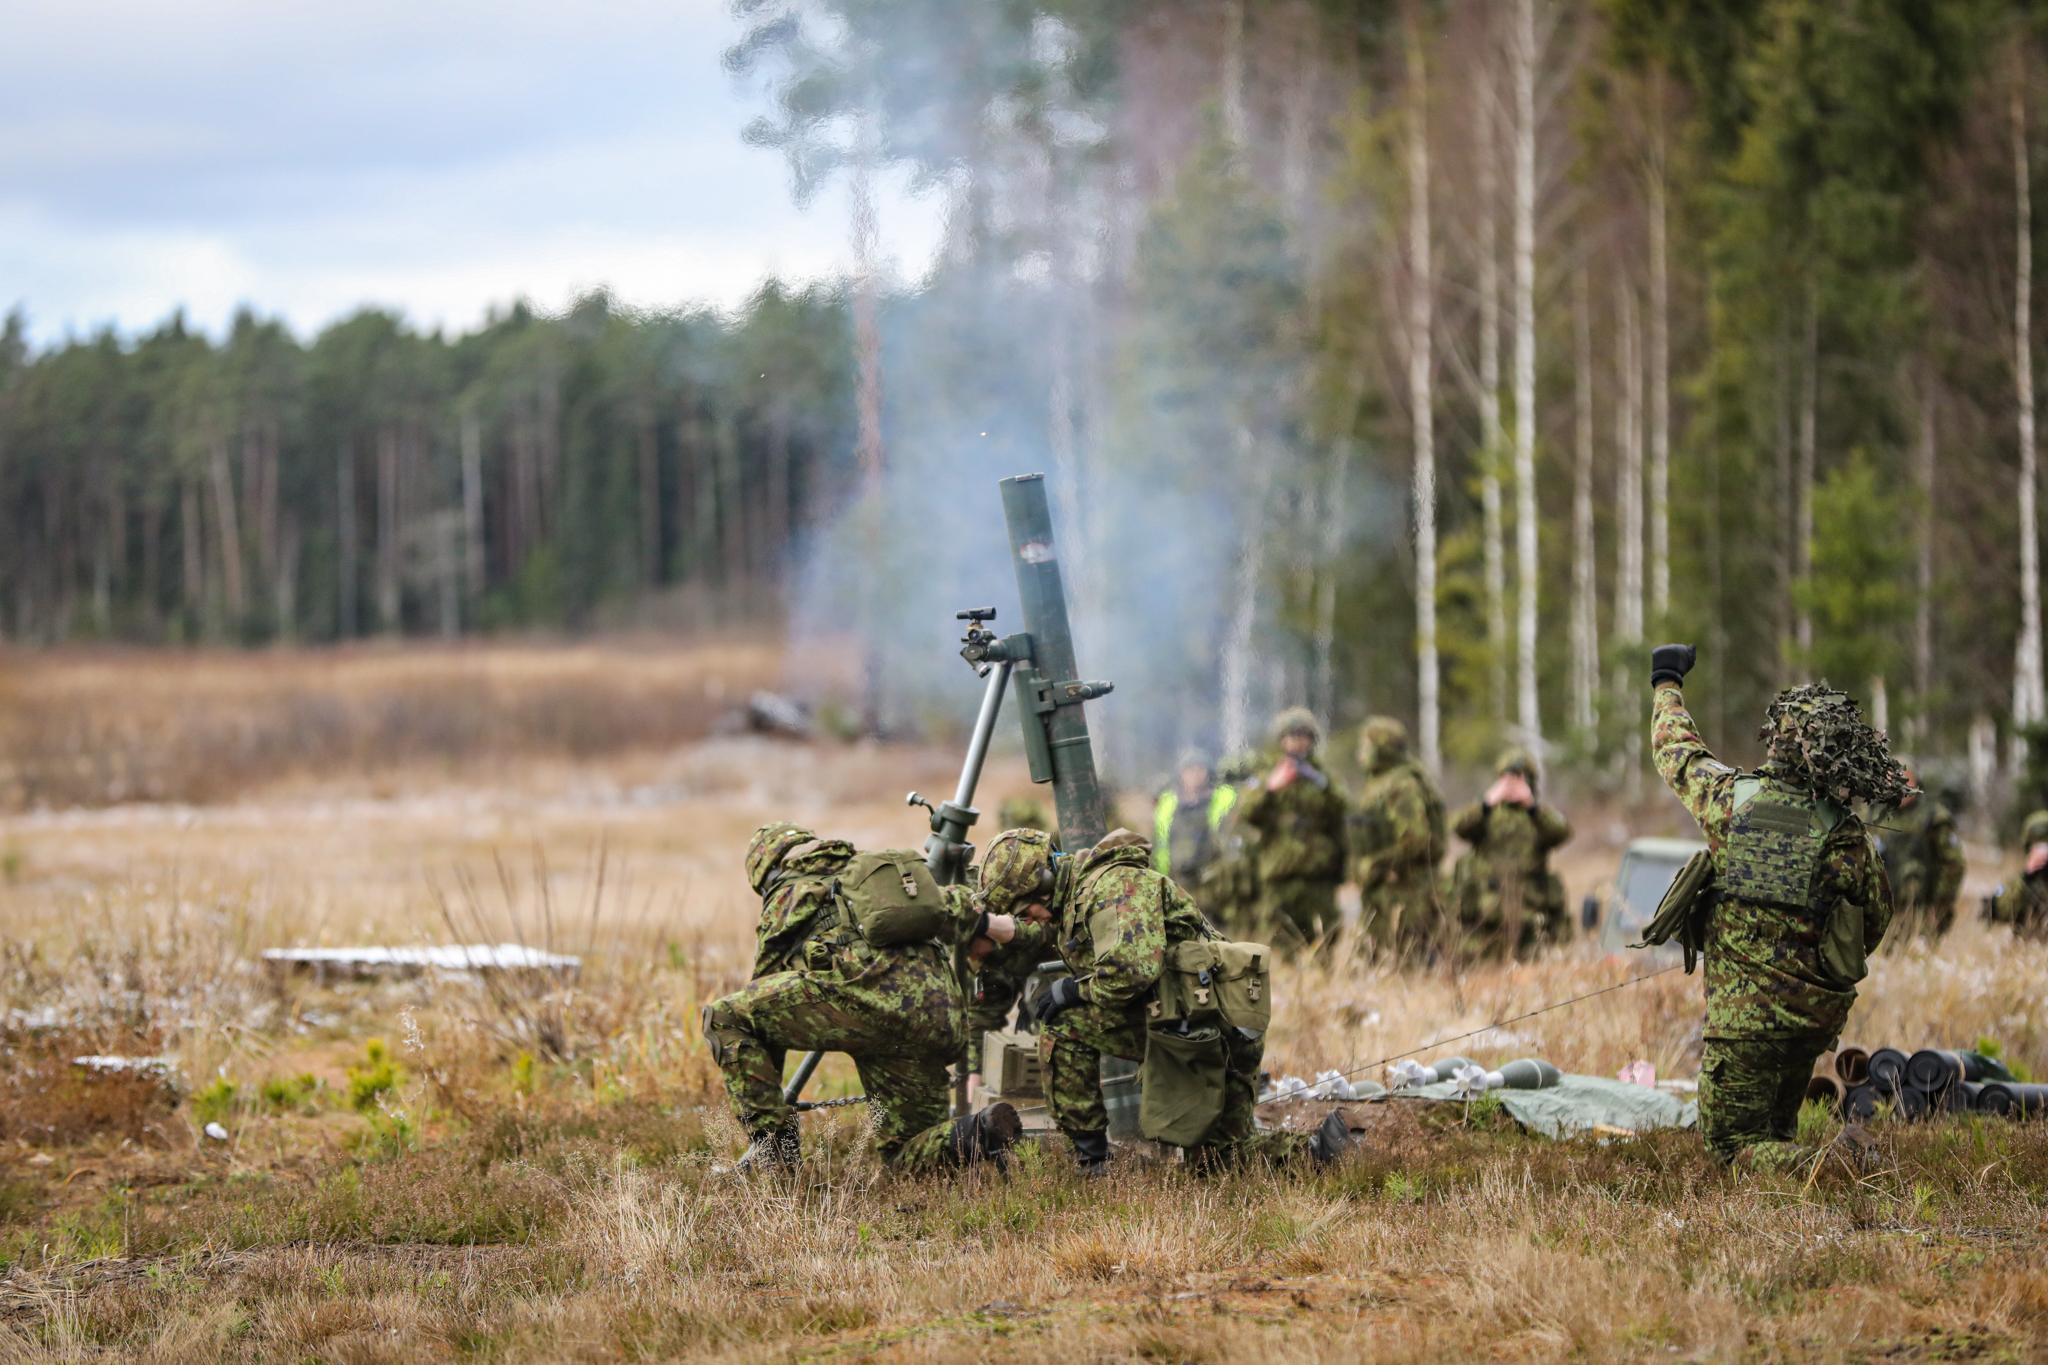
x=1206 y=981
x=1182 y=1083
x=1843 y=962
x=1682 y=914
x=891 y=898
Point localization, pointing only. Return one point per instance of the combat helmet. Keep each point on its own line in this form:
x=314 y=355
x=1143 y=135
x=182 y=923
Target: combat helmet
x=1016 y=868
x=1516 y=759
x=1382 y=743
x=1194 y=756
x=769 y=846
x=1815 y=735
x=2035 y=830
x=1297 y=720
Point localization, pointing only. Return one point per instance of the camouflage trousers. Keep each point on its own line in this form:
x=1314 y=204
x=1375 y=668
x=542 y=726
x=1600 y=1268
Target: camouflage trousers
x=1750 y=1093
x=901 y=1052
x=1403 y=916
x=1291 y=914
x=1076 y=1040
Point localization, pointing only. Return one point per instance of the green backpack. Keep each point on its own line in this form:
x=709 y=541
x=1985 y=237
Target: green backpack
x=891 y=898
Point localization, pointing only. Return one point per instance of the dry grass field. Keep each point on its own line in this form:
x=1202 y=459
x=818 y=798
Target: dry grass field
x=433 y=1169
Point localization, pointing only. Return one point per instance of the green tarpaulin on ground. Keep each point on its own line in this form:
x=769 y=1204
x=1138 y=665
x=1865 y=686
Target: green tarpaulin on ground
x=1577 y=1104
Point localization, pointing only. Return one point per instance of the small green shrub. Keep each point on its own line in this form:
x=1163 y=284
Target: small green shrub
x=215 y=1103
x=303 y=1091
x=377 y=1076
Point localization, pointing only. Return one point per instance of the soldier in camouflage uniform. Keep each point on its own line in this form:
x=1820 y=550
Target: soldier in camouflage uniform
x=1508 y=901
x=2023 y=901
x=1295 y=821
x=1398 y=837
x=1923 y=859
x=1802 y=900
x=1114 y=916
x=820 y=986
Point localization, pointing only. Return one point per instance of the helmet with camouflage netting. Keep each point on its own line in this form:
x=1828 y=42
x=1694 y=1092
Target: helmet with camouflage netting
x=1816 y=735
x=2035 y=830
x=1383 y=741
x=769 y=846
x=1297 y=720
x=1016 y=868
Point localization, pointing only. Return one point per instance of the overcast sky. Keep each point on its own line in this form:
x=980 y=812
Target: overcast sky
x=309 y=156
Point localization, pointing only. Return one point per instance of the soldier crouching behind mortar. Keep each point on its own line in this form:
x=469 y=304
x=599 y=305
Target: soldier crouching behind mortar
x=820 y=984
x=1801 y=901
x=1115 y=919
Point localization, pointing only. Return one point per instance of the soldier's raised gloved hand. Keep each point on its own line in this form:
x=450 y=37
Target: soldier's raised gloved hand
x=1670 y=663
x=1062 y=994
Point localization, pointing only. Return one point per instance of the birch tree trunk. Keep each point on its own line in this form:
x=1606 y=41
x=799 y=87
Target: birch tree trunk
x=2026 y=678
x=867 y=343
x=1528 y=719
x=1236 y=127
x=1493 y=556
x=223 y=480
x=192 y=540
x=387 y=530
x=1660 y=374
x=473 y=504
x=1585 y=641
x=1422 y=404
x=1628 y=548
x=345 y=533
x=1325 y=682
x=1237 y=645
x=1923 y=586
x=1809 y=440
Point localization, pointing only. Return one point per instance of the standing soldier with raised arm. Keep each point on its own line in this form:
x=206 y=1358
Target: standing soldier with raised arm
x=1398 y=837
x=1800 y=901
x=1295 y=821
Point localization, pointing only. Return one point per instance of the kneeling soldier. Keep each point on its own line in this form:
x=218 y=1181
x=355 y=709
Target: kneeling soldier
x=1120 y=926
x=855 y=955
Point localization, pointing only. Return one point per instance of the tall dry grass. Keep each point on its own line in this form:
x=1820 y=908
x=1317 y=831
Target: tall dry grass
x=96 y=726
x=539 y=1169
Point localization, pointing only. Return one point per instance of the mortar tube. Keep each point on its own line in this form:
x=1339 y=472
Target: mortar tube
x=1076 y=793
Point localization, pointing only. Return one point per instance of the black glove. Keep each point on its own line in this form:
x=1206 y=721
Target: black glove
x=1670 y=663
x=1058 y=996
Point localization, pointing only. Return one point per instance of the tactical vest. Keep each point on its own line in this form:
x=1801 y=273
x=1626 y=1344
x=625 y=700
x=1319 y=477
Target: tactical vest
x=1774 y=841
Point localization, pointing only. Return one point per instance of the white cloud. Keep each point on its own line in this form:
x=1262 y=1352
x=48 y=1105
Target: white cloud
x=444 y=157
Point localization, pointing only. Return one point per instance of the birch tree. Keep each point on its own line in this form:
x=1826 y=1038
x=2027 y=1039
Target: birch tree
x=1585 y=631
x=2027 y=701
x=1492 y=550
x=1422 y=401
x=1528 y=719
x=1628 y=516
x=1660 y=371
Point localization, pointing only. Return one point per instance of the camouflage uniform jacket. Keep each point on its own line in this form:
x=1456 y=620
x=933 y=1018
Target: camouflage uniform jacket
x=2022 y=903
x=1763 y=962
x=799 y=911
x=1116 y=916
x=1923 y=858
x=1398 y=833
x=1298 y=831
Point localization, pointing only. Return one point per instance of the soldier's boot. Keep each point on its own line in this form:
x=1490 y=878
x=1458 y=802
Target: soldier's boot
x=1332 y=1139
x=987 y=1135
x=1091 y=1151
x=774 y=1151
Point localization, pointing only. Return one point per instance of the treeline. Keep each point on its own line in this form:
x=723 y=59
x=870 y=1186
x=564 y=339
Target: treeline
x=538 y=471
x=1479 y=344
